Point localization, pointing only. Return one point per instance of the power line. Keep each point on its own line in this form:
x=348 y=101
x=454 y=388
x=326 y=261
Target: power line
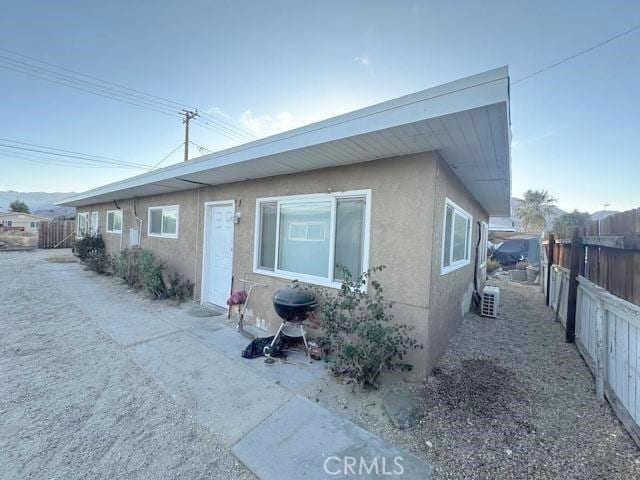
x=234 y=136
x=79 y=156
x=167 y=156
x=71 y=85
x=61 y=150
x=200 y=147
x=115 y=95
x=59 y=163
x=582 y=52
x=150 y=101
x=93 y=85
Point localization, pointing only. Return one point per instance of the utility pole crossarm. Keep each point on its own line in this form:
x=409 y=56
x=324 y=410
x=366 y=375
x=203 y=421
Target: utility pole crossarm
x=188 y=116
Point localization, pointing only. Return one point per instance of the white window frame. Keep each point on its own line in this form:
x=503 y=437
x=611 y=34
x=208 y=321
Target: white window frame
x=484 y=239
x=162 y=209
x=80 y=234
x=312 y=198
x=107 y=221
x=460 y=263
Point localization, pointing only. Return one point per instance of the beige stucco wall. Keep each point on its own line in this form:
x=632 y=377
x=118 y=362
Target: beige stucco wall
x=450 y=293
x=407 y=197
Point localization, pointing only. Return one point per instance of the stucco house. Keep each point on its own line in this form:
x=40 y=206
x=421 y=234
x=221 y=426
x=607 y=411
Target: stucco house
x=408 y=183
x=25 y=222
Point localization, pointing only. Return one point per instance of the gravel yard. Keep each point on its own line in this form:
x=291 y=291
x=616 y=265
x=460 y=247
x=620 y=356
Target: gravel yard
x=72 y=405
x=508 y=400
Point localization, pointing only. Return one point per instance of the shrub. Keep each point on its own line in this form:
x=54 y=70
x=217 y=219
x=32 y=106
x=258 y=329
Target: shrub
x=179 y=290
x=99 y=262
x=150 y=269
x=124 y=264
x=359 y=330
x=492 y=265
x=91 y=244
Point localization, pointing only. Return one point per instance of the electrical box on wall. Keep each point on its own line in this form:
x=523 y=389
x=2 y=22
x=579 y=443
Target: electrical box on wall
x=134 y=237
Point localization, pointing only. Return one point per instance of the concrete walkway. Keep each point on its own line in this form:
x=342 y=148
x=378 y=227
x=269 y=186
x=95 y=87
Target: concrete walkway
x=257 y=410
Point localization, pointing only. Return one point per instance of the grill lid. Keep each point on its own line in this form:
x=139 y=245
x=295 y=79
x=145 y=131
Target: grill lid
x=294 y=296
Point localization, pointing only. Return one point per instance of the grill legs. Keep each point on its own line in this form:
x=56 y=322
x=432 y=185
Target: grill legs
x=268 y=350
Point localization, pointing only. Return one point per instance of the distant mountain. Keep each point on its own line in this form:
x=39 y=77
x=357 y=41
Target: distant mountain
x=602 y=214
x=40 y=203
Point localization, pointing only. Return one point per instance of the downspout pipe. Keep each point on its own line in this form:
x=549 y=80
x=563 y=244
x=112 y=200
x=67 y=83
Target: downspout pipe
x=477 y=300
x=135 y=214
x=115 y=202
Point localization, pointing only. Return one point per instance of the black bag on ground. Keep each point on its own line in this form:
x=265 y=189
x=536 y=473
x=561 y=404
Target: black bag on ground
x=256 y=348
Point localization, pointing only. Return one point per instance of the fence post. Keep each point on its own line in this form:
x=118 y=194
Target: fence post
x=550 y=248
x=600 y=350
x=572 y=293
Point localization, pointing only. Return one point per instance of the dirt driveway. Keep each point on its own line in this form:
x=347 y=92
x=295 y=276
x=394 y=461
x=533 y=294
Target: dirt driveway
x=72 y=405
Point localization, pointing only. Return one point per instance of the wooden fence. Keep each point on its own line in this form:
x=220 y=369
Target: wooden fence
x=56 y=234
x=592 y=281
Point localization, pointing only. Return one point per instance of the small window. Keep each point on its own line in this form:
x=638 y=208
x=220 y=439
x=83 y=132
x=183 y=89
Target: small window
x=313 y=237
x=82 y=226
x=114 y=221
x=33 y=224
x=163 y=221
x=456 y=243
x=484 y=244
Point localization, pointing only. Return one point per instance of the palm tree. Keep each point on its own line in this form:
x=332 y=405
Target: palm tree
x=534 y=209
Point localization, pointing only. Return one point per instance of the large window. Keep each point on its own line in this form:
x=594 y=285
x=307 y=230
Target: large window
x=163 y=221
x=456 y=243
x=114 y=221
x=313 y=237
x=82 y=226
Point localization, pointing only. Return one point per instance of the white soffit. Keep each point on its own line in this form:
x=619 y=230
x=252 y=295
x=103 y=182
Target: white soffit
x=466 y=121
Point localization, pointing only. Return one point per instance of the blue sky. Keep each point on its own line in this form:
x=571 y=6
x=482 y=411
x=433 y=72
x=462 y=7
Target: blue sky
x=275 y=65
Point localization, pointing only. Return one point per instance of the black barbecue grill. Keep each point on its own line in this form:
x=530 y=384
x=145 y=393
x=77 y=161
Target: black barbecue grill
x=293 y=305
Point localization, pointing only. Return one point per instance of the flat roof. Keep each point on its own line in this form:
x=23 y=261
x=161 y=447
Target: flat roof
x=467 y=121
x=22 y=214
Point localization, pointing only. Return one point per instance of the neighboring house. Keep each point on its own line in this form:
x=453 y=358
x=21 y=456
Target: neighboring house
x=25 y=222
x=408 y=183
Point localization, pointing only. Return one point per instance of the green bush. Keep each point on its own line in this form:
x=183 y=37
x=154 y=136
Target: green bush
x=91 y=244
x=124 y=264
x=359 y=331
x=179 y=290
x=99 y=262
x=150 y=269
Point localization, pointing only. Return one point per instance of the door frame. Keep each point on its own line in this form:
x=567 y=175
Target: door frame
x=208 y=208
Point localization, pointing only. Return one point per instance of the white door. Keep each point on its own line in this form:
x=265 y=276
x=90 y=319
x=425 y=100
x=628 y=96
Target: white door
x=219 y=254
